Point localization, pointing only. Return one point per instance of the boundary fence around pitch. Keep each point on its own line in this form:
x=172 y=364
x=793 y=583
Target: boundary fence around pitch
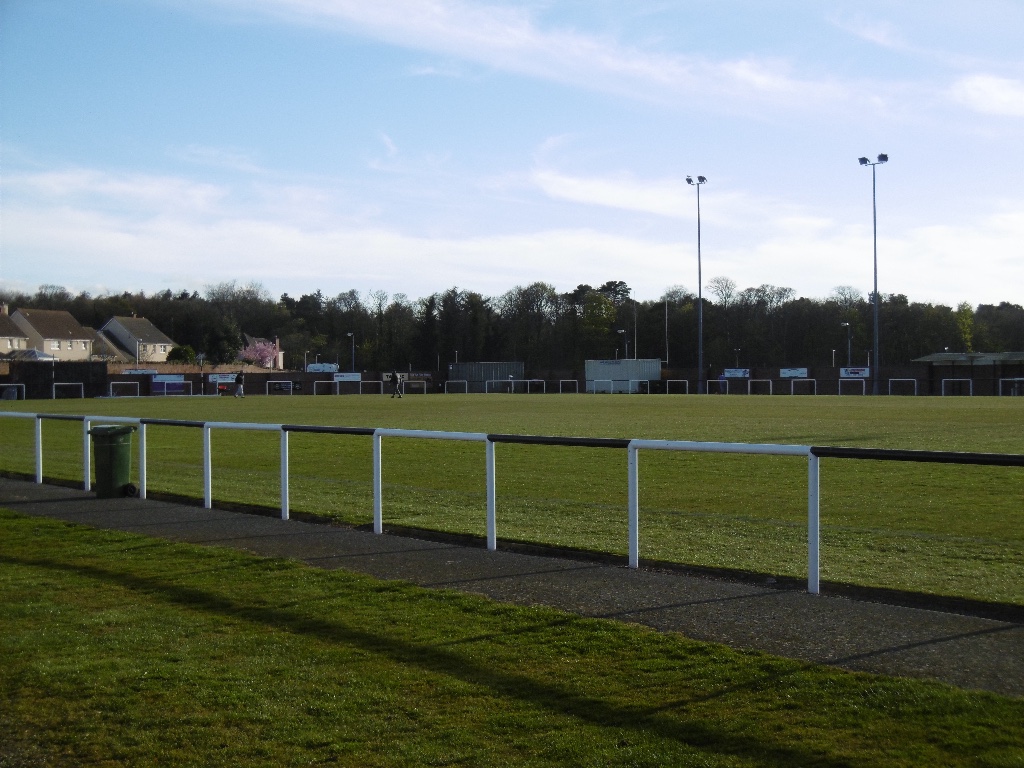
x=632 y=447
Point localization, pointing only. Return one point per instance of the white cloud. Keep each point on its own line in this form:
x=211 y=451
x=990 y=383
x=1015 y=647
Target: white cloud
x=510 y=39
x=125 y=229
x=990 y=94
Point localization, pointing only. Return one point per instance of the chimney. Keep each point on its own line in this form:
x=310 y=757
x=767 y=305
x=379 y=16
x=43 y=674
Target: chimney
x=3 y=309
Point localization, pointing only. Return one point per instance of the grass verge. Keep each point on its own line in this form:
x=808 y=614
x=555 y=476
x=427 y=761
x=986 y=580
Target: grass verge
x=124 y=650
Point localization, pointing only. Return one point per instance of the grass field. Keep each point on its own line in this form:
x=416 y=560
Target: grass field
x=943 y=529
x=123 y=650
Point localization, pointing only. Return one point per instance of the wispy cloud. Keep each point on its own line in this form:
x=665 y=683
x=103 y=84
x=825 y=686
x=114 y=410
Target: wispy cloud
x=511 y=39
x=218 y=157
x=990 y=94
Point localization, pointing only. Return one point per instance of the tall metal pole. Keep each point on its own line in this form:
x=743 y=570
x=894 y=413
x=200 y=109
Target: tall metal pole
x=883 y=158
x=700 y=305
x=700 y=288
x=874 y=223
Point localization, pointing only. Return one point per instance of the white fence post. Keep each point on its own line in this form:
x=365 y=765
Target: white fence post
x=492 y=527
x=39 y=450
x=207 y=469
x=632 y=454
x=813 y=525
x=378 y=517
x=86 y=457
x=142 y=459
x=285 y=501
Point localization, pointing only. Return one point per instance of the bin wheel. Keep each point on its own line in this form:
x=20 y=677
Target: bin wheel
x=129 y=489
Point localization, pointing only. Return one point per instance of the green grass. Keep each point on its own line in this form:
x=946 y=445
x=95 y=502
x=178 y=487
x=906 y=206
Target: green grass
x=942 y=529
x=123 y=650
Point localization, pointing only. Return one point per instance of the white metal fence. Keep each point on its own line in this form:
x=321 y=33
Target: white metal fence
x=632 y=447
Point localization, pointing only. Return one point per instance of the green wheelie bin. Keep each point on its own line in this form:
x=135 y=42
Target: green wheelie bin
x=112 y=448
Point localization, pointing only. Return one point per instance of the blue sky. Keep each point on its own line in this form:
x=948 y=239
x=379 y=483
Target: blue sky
x=410 y=146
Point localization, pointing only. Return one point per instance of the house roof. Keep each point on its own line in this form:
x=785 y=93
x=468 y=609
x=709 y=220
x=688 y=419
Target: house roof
x=9 y=329
x=105 y=346
x=141 y=329
x=54 y=324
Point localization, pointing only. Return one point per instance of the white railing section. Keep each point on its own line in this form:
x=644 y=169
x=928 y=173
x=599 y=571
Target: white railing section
x=752 y=382
x=633 y=448
x=463 y=382
x=1018 y=386
x=670 y=382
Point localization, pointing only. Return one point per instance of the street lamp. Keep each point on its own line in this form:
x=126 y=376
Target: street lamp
x=700 y=299
x=304 y=366
x=849 y=344
x=625 y=339
x=737 y=351
x=353 y=337
x=883 y=158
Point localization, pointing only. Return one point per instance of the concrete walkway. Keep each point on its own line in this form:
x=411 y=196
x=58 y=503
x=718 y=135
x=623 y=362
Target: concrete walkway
x=965 y=651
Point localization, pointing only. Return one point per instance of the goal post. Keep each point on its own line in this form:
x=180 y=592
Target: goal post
x=72 y=385
x=406 y=383
x=379 y=384
x=279 y=386
x=463 y=382
x=575 y=385
x=125 y=384
x=970 y=385
x=1016 y=389
x=904 y=381
x=638 y=382
x=670 y=382
x=752 y=382
x=812 y=382
x=332 y=384
x=16 y=387
x=164 y=388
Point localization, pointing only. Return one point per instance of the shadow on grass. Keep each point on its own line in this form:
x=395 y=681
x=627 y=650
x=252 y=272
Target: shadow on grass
x=694 y=730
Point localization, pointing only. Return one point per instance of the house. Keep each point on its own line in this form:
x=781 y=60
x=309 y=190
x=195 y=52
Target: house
x=276 y=360
x=139 y=338
x=54 y=332
x=104 y=348
x=12 y=338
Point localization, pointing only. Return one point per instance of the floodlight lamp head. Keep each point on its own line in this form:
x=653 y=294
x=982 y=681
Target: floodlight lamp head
x=845 y=325
x=863 y=161
x=689 y=180
x=702 y=180
x=883 y=158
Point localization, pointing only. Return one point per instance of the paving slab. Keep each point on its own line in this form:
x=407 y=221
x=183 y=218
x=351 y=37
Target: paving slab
x=966 y=651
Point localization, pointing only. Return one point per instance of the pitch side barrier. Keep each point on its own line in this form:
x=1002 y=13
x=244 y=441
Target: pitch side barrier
x=632 y=447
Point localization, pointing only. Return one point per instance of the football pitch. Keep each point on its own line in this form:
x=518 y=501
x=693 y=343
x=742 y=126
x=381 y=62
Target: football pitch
x=943 y=529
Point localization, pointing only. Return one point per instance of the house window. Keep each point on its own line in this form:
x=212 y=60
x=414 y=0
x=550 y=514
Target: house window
x=71 y=345
x=54 y=345
x=163 y=348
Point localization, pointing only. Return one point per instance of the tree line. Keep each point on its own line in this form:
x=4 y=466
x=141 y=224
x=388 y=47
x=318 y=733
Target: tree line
x=550 y=331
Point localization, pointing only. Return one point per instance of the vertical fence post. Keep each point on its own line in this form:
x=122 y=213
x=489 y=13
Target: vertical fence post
x=207 y=469
x=86 y=457
x=378 y=517
x=813 y=525
x=39 y=450
x=142 y=459
x=492 y=527
x=285 y=501
x=632 y=454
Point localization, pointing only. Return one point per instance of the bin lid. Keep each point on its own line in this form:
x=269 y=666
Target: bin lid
x=112 y=430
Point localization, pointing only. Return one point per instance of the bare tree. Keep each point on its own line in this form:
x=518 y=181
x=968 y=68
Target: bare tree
x=724 y=289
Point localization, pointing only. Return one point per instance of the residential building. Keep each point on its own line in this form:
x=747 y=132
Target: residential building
x=139 y=338
x=12 y=338
x=54 y=332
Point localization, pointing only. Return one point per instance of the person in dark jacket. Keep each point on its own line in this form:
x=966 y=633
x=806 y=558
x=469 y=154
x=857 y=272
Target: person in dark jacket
x=396 y=383
x=240 y=385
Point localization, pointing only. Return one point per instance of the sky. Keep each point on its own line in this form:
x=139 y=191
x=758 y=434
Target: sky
x=412 y=146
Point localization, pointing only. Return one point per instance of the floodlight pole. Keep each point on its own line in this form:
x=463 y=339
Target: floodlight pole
x=883 y=158
x=352 y=336
x=700 y=297
x=849 y=344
